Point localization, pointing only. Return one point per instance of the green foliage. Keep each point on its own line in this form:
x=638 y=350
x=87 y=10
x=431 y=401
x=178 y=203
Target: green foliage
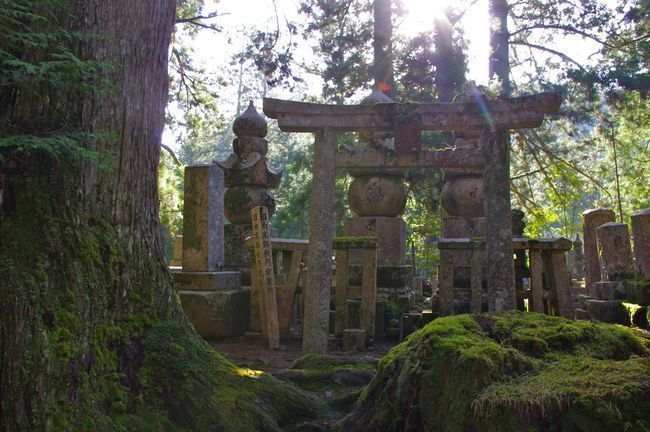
x=512 y=371
x=170 y=194
x=36 y=60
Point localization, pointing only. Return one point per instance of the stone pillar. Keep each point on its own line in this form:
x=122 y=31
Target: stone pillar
x=614 y=252
x=377 y=197
x=248 y=179
x=319 y=255
x=203 y=219
x=592 y=219
x=641 y=237
x=498 y=222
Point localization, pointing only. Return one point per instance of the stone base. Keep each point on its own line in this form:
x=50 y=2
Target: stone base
x=207 y=281
x=217 y=314
x=638 y=292
x=608 y=291
x=462 y=227
x=581 y=314
x=609 y=311
x=391 y=238
x=387 y=276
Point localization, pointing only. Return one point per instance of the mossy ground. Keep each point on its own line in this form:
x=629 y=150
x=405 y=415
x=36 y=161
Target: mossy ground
x=506 y=372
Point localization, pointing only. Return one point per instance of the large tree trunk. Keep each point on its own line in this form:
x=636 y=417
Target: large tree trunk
x=79 y=247
x=92 y=335
x=445 y=70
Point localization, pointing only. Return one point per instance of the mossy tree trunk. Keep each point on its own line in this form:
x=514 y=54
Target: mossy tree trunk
x=82 y=268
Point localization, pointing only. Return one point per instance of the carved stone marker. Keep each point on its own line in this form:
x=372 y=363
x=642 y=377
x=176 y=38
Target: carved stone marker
x=641 y=237
x=203 y=219
x=592 y=219
x=614 y=251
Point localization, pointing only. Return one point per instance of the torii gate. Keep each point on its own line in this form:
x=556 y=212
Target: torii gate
x=493 y=118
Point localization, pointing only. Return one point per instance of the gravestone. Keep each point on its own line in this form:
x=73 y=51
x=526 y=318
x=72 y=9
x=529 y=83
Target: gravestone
x=641 y=237
x=213 y=300
x=592 y=219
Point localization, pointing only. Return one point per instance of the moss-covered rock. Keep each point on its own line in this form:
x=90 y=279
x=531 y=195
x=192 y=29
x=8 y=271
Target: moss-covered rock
x=513 y=371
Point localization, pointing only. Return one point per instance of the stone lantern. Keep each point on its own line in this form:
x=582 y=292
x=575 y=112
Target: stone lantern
x=248 y=179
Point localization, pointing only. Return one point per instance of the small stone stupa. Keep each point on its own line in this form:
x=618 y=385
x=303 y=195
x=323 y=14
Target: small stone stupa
x=248 y=178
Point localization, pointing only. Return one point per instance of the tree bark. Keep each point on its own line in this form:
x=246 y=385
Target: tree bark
x=444 y=59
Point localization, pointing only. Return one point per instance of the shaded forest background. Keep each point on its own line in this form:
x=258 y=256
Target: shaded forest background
x=596 y=152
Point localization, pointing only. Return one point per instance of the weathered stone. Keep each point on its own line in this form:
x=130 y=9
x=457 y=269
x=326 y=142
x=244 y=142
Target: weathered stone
x=417 y=285
x=319 y=255
x=609 y=311
x=207 y=281
x=464 y=196
x=638 y=292
x=217 y=314
x=203 y=236
x=375 y=195
x=354 y=339
x=249 y=169
x=391 y=238
x=249 y=144
x=641 y=237
x=592 y=219
x=237 y=256
x=498 y=222
x=387 y=276
x=177 y=252
x=463 y=227
x=614 y=252
x=250 y=123
x=581 y=314
x=239 y=201
x=608 y=290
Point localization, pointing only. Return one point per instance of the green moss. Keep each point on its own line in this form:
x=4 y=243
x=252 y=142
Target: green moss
x=201 y=390
x=354 y=242
x=512 y=371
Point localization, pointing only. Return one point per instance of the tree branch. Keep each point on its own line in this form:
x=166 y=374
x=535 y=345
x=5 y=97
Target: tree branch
x=548 y=50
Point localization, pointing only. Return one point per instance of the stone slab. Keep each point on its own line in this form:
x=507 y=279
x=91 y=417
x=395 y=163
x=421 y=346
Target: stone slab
x=638 y=292
x=203 y=219
x=592 y=219
x=461 y=227
x=354 y=339
x=390 y=233
x=217 y=314
x=207 y=281
x=236 y=256
x=641 y=237
x=614 y=252
x=609 y=311
x=607 y=290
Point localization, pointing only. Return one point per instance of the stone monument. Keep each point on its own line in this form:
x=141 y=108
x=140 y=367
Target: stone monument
x=248 y=178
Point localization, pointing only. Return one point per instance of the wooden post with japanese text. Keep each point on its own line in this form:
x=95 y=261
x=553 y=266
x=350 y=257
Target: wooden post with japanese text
x=265 y=278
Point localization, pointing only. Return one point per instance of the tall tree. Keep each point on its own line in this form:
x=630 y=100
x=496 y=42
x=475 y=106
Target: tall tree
x=383 y=46
x=499 y=64
x=92 y=336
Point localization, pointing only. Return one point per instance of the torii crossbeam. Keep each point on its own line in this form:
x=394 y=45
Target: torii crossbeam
x=492 y=118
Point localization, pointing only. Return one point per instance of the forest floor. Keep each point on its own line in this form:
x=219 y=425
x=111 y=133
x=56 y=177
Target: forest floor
x=336 y=378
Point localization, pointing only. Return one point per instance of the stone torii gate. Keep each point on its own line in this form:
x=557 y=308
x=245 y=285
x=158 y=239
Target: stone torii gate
x=493 y=118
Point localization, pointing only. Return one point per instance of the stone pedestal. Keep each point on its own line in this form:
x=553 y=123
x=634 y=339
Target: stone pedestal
x=203 y=219
x=641 y=237
x=592 y=219
x=217 y=314
x=614 y=252
x=390 y=233
x=177 y=252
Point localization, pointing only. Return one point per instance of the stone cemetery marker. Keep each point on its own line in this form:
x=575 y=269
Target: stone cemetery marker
x=265 y=279
x=203 y=219
x=592 y=219
x=641 y=237
x=614 y=251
